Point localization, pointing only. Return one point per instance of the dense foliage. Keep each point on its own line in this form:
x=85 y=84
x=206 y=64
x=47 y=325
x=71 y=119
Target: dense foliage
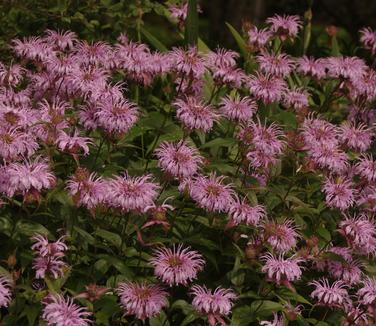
x=188 y=186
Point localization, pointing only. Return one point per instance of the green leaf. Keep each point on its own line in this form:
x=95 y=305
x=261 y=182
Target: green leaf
x=153 y=40
x=239 y=40
x=324 y=233
x=191 y=23
x=111 y=237
x=222 y=142
x=160 y=320
x=30 y=228
x=264 y=308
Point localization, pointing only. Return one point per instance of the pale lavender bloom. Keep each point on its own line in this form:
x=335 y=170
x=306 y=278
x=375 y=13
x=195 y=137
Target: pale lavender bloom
x=339 y=193
x=348 y=270
x=279 y=65
x=5 y=291
x=73 y=144
x=266 y=87
x=179 y=159
x=366 y=168
x=188 y=63
x=15 y=144
x=59 y=311
x=368 y=38
x=212 y=303
x=296 y=98
x=231 y=77
x=116 y=116
x=132 y=193
x=242 y=212
x=346 y=67
x=32 y=48
x=238 y=108
x=51 y=266
x=327 y=156
x=27 y=176
x=358 y=137
x=259 y=38
x=177 y=265
x=62 y=40
x=91 y=54
x=222 y=58
x=285 y=26
x=311 y=67
x=360 y=233
x=281 y=236
x=87 y=80
x=330 y=295
x=12 y=75
x=195 y=114
x=179 y=12
x=62 y=65
x=142 y=300
x=318 y=132
x=45 y=248
x=367 y=197
x=282 y=270
x=211 y=194
x=367 y=294
x=277 y=321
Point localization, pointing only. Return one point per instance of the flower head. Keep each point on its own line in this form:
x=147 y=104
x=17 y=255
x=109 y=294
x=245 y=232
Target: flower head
x=281 y=236
x=330 y=295
x=44 y=248
x=358 y=138
x=132 y=193
x=259 y=38
x=5 y=291
x=367 y=294
x=177 y=265
x=59 y=311
x=285 y=26
x=279 y=65
x=142 y=300
x=368 y=38
x=282 y=270
x=194 y=114
x=296 y=98
x=277 y=321
x=208 y=302
x=242 y=212
x=311 y=67
x=339 y=193
x=267 y=88
x=238 y=108
x=211 y=194
x=366 y=168
x=73 y=143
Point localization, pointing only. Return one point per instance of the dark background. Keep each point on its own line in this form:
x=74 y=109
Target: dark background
x=106 y=19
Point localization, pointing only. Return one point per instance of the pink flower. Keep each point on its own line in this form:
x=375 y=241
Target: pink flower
x=238 y=108
x=49 y=265
x=179 y=159
x=212 y=303
x=211 y=194
x=32 y=48
x=62 y=40
x=346 y=67
x=45 y=248
x=242 y=212
x=132 y=193
x=5 y=291
x=142 y=300
x=367 y=294
x=285 y=26
x=327 y=295
x=15 y=143
x=27 y=176
x=296 y=98
x=358 y=138
x=282 y=270
x=91 y=54
x=188 y=63
x=368 y=38
x=59 y=311
x=11 y=76
x=347 y=270
x=116 y=116
x=328 y=157
x=73 y=144
x=279 y=65
x=317 y=132
x=231 y=77
x=366 y=168
x=339 y=193
x=277 y=321
x=259 y=38
x=177 y=265
x=222 y=58
x=87 y=189
x=266 y=88
x=311 y=67
x=360 y=233
x=179 y=12
x=281 y=236
x=194 y=114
